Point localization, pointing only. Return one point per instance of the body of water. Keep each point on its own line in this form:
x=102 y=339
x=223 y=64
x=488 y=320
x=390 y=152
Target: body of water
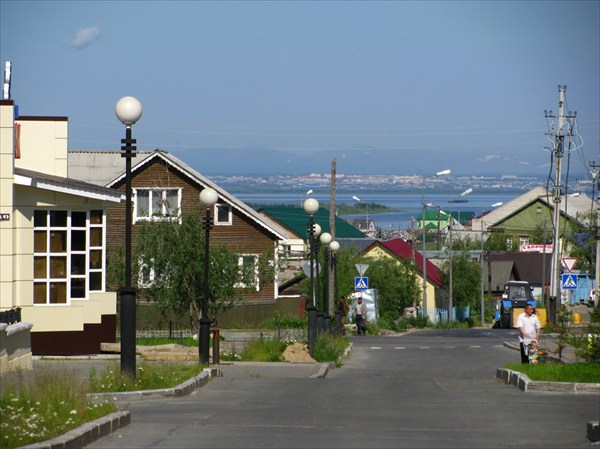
x=407 y=205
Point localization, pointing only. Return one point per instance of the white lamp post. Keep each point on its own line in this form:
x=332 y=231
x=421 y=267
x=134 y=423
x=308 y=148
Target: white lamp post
x=128 y=110
x=334 y=247
x=209 y=198
x=311 y=206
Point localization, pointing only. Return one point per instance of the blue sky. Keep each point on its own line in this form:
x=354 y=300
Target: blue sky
x=308 y=77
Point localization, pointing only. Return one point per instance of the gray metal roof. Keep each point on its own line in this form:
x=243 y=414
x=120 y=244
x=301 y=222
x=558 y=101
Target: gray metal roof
x=99 y=167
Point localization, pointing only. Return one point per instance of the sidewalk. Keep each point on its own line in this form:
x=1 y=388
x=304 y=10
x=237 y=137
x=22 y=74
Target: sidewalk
x=90 y=432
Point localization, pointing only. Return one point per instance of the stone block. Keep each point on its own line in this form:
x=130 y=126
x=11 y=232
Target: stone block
x=593 y=431
x=587 y=388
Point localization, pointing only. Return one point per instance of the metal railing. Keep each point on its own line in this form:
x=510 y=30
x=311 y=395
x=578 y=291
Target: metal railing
x=11 y=316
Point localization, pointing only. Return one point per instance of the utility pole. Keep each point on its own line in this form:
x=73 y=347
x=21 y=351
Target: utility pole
x=450 y=306
x=564 y=129
x=413 y=259
x=596 y=229
x=330 y=279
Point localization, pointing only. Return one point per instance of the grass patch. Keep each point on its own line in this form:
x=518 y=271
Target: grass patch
x=157 y=341
x=42 y=404
x=330 y=348
x=571 y=372
x=263 y=350
x=148 y=377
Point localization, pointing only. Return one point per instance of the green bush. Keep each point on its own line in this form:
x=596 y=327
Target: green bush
x=330 y=348
x=373 y=327
x=263 y=350
x=285 y=322
x=419 y=321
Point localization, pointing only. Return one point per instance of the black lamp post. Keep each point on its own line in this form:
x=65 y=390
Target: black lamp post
x=311 y=206
x=334 y=246
x=209 y=198
x=318 y=298
x=128 y=111
x=325 y=239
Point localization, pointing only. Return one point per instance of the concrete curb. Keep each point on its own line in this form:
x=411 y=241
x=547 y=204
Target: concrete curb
x=94 y=430
x=524 y=383
x=87 y=433
x=182 y=389
x=323 y=370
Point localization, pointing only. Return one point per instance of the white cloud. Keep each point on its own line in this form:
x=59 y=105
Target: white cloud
x=85 y=36
x=489 y=157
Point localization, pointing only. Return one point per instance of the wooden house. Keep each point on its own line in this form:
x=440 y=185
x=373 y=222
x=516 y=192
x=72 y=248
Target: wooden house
x=163 y=186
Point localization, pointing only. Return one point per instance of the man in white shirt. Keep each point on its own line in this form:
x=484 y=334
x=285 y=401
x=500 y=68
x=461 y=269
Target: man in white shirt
x=529 y=327
x=360 y=316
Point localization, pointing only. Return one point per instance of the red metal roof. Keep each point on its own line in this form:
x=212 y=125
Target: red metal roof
x=404 y=250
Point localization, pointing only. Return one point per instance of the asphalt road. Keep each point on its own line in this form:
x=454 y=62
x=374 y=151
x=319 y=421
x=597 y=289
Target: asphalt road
x=427 y=389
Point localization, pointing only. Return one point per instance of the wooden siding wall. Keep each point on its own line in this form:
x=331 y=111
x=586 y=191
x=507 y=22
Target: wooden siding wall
x=243 y=236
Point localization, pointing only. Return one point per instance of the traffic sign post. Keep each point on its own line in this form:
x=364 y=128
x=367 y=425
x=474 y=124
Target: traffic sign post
x=569 y=263
x=569 y=281
x=361 y=283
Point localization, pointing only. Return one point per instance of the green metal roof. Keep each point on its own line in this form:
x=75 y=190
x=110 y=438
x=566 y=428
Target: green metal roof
x=463 y=217
x=296 y=220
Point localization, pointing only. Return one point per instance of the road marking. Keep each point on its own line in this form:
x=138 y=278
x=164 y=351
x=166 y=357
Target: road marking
x=399 y=347
x=423 y=347
x=474 y=346
x=375 y=347
x=450 y=347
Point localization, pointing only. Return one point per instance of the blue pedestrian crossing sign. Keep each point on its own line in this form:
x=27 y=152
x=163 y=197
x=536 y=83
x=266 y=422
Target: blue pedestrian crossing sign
x=361 y=283
x=569 y=281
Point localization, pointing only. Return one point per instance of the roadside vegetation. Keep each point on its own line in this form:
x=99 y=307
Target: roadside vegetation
x=328 y=348
x=42 y=404
x=148 y=377
x=556 y=372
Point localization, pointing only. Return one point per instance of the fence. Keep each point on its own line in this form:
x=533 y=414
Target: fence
x=438 y=315
x=11 y=316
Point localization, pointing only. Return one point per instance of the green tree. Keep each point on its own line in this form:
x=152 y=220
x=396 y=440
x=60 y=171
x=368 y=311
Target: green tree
x=466 y=279
x=397 y=283
x=581 y=243
x=171 y=260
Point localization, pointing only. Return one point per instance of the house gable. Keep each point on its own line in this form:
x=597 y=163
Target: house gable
x=244 y=234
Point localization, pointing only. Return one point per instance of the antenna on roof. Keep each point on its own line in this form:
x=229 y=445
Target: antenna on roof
x=6 y=84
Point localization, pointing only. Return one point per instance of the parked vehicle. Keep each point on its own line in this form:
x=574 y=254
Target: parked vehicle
x=517 y=294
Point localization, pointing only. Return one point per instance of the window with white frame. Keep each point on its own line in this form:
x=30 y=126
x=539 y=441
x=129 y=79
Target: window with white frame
x=523 y=240
x=68 y=255
x=154 y=204
x=248 y=264
x=223 y=215
x=509 y=242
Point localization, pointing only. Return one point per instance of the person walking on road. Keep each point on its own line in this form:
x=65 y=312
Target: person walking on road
x=529 y=327
x=344 y=309
x=360 y=316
